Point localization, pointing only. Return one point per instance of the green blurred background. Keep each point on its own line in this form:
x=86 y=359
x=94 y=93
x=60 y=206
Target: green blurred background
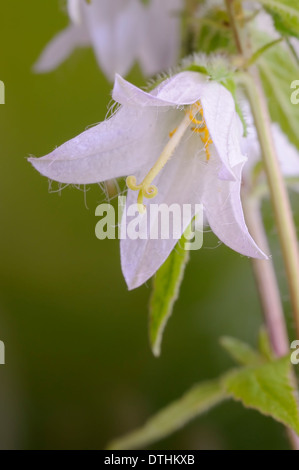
x=79 y=370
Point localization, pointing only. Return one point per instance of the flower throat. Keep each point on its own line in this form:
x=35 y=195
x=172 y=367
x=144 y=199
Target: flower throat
x=146 y=188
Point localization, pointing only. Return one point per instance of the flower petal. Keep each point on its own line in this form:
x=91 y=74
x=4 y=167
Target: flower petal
x=187 y=88
x=178 y=183
x=188 y=179
x=120 y=146
x=223 y=123
x=60 y=48
x=74 y=11
x=113 y=28
x=287 y=153
x=182 y=89
x=160 y=42
x=224 y=212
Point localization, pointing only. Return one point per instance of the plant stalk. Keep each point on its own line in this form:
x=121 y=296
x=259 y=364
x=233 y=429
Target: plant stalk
x=268 y=289
x=266 y=281
x=264 y=270
x=278 y=191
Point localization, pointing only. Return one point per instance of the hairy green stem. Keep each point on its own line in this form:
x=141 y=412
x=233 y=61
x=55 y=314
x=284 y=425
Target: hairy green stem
x=278 y=191
x=192 y=27
x=238 y=37
x=264 y=270
x=266 y=281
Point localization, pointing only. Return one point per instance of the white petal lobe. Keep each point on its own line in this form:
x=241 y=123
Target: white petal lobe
x=60 y=48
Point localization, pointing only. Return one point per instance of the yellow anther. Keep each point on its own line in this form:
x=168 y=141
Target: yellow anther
x=208 y=155
x=205 y=138
x=171 y=134
x=193 y=120
x=197 y=130
x=207 y=141
x=195 y=109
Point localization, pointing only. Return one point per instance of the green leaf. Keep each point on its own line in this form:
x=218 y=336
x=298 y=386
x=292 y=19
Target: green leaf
x=166 y=286
x=215 y=35
x=255 y=57
x=268 y=389
x=265 y=387
x=292 y=50
x=197 y=68
x=241 y=352
x=278 y=70
x=285 y=14
x=198 y=400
